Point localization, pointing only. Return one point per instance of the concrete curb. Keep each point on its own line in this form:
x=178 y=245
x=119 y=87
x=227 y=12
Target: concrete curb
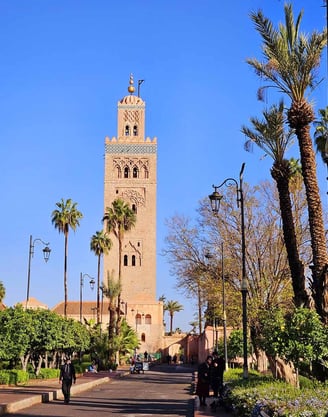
x=48 y=396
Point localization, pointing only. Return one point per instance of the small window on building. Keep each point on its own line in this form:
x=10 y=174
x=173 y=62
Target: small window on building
x=138 y=318
x=126 y=172
x=133 y=260
x=119 y=172
x=134 y=208
x=148 y=319
x=146 y=173
x=127 y=130
x=135 y=173
x=138 y=244
x=143 y=337
x=135 y=130
x=116 y=191
x=125 y=261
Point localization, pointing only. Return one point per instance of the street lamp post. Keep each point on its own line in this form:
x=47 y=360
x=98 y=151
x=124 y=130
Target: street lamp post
x=215 y=199
x=92 y=285
x=46 y=254
x=224 y=310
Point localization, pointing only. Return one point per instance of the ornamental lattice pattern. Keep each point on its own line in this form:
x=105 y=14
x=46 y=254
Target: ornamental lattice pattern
x=135 y=197
x=131 y=116
x=133 y=148
x=121 y=163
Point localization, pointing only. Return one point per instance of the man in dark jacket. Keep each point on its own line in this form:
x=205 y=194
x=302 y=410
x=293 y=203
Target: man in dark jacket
x=66 y=378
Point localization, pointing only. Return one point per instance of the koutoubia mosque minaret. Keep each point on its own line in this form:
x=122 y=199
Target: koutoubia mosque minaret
x=131 y=175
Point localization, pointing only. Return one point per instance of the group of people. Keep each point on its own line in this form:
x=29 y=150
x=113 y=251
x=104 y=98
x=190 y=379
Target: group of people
x=210 y=375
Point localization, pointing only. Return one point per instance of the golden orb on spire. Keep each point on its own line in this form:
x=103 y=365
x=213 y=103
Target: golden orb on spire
x=131 y=88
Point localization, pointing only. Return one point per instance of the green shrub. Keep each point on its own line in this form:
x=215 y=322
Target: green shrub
x=18 y=377
x=81 y=367
x=4 y=378
x=49 y=373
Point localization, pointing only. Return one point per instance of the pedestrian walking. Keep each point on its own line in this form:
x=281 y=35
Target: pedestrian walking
x=66 y=378
x=203 y=381
x=216 y=374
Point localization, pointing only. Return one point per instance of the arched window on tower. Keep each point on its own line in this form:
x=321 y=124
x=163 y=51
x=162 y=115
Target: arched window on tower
x=133 y=260
x=146 y=173
x=125 y=260
x=143 y=337
x=138 y=318
x=127 y=130
x=126 y=172
x=119 y=172
x=135 y=172
x=135 y=130
x=134 y=208
x=147 y=319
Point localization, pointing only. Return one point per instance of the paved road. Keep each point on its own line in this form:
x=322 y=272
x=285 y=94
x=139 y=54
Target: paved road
x=162 y=391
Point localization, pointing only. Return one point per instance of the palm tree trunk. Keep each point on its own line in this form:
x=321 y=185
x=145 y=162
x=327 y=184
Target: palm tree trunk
x=118 y=320
x=98 y=290
x=317 y=231
x=280 y=174
x=65 y=274
x=171 y=323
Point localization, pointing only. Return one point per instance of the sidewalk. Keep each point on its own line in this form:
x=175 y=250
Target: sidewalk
x=207 y=411
x=15 y=398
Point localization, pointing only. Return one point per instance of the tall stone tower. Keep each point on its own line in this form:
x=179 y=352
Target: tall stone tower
x=131 y=175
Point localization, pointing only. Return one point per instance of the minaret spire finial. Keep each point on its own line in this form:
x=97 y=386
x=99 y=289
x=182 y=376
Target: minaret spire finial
x=131 y=88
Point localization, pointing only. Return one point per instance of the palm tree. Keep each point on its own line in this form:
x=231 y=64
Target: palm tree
x=291 y=61
x=111 y=291
x=172 y=307
x=100 y=244
x=66 y=216
x=321 y=134
x=162 y=298
x=269 y=134
x=119 y=219
x=2 y=291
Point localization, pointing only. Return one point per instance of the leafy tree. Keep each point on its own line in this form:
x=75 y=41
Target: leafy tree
x=66 y=216
x=172 y=307
x=119 y=219
x=291 y=62
x=100 y=244
x=269 y=134
x=184 y=248
x=298 y=337
x=31 y=335
x=235 y=344
x=17 y=331
x=269 y=279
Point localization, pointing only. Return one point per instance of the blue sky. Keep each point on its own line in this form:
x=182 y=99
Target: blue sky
x=64 y=66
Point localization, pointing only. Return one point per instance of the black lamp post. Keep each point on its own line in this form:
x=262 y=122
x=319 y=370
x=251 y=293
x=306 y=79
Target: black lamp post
x=224 y=311
x=46 y=254
x=92 y=285
x=215 y=199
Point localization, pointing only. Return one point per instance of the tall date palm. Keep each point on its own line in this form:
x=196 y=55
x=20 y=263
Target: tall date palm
x=100 y=244
x=270 y=135
x=291 y=60
x=119 y=219
x=66 y=217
